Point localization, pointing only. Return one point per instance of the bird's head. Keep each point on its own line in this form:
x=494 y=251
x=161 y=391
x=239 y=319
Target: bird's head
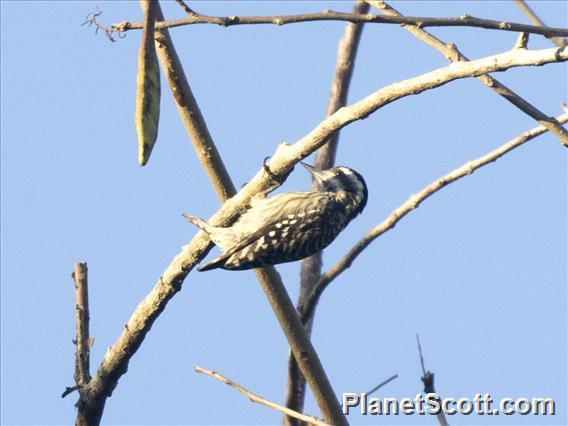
x=341 y=179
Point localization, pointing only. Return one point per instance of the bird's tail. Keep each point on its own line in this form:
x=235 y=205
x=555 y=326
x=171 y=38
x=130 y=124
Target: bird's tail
x=201 y=224
x=223 y=237
x=212 y=231
x=204 y=226
x=215 y=263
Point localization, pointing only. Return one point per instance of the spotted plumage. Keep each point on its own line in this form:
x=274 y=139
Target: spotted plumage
x=289 y=226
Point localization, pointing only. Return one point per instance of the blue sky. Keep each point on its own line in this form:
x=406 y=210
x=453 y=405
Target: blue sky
x=479 y=270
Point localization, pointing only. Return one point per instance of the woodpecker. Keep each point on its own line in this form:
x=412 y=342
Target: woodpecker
x=289 y=226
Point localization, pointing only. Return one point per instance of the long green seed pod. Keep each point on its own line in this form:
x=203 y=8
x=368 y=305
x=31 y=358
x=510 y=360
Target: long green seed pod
x=147 y=86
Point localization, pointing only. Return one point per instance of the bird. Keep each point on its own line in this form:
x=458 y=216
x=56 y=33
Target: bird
x=289 y=226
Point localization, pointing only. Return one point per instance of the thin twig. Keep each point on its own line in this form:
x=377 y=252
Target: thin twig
x=68 y=390
x=451 y=52
x=310 y=271
x=428 y=381
x=380 y=385
x=91 y=21
x=258 y=399
x=533 y=17
x=421 y=356
x=185 y=7
x=412 y=203
x=330 y=15
x=522 y=41
x=117 y=357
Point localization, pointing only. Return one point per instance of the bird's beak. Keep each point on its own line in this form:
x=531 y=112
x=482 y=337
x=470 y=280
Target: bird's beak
x=319 y=175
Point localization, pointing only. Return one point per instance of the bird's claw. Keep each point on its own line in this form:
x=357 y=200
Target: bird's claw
x=279 y=180
x=266 y=168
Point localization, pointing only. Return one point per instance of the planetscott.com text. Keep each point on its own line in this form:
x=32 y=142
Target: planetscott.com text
x=433 y=404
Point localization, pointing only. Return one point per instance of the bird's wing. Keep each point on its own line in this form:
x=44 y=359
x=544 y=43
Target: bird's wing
x=281 y=207
x=215 y=263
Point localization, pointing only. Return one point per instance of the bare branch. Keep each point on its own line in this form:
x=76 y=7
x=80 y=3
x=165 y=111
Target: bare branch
x=82 y=355
x=258 y=399
x=344 y=66
x=421 y=356
x=185 y=7
x=115 y=361
x=91 y=21
x=325 y=158
x=412 y=203
x=269 y=278
x=82 y=340
x=383 y=383
x=428 y=380
x=191 y=115
x=522 y=41
x=87 y=414
x=330 y=15
x=300 y=345
x=559 y=41
x=68 y=390
x=451 y=52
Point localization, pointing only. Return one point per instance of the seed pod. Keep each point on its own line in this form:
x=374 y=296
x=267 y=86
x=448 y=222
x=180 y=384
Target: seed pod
x=147 y=86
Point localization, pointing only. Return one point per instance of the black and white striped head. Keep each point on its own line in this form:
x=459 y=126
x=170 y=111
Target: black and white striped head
x=341 y=179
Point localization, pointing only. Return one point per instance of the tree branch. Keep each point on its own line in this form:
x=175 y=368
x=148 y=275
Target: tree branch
x=191 y=115
x=185 y=7
x=344 y=66
x=330 y=15
x=269 y=279
x=522 y=41
x=559 y=41
x=91 y=21
x=412 y=203
x=311 y=267
x=86 y=414
x=115 y=361
x=380 y=385
x=300 y=345
x=451 y=52
x=82 y=340
x=68 y=390
x=428 y=380
x=258 y=399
